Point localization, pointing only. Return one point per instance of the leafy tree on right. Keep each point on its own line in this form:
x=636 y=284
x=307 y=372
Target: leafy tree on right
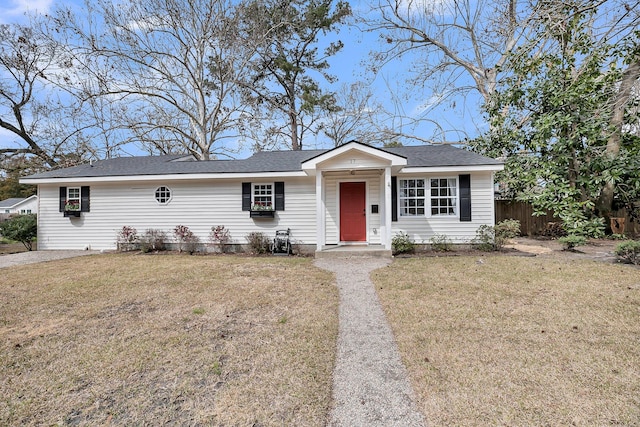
x=565 y=119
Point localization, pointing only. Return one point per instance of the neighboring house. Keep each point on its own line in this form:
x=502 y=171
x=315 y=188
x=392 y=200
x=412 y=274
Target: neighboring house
x=352 y=194
x=19 y=205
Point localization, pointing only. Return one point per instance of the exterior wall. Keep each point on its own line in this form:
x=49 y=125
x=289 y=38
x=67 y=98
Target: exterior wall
x=332 y=203
x=421 y=229
x=28 y=206
x=199 y=205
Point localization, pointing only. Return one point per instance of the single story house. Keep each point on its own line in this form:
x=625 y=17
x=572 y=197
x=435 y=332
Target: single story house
x=354 y=194
x=19 y=205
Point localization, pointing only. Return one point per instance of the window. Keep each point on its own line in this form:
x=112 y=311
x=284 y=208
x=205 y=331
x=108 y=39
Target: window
x=440 y=200
x=262 y=196
x=73 y=199
x=412 y=201
x=25 y=211
x=163 y=195
x=444 y=196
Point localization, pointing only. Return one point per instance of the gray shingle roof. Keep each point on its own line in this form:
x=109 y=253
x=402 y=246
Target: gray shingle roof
x=265 y=161
x=7 y=203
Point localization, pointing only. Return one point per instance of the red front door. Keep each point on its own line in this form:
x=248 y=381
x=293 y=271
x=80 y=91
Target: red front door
x=353 y=212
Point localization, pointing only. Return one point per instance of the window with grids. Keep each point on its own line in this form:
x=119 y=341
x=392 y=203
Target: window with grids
x=73 y=199
x=262 y=196
x=411 y=197
x=163 y=195
x=444 y=196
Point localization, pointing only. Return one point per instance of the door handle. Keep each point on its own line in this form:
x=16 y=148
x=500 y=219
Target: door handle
x=364 y=212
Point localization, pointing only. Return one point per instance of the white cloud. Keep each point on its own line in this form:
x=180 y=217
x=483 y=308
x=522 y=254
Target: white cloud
x=14 y=10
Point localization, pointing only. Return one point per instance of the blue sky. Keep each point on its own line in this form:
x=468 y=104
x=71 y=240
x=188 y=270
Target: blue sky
x=348 y=66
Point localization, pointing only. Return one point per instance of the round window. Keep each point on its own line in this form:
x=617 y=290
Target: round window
x=163 y=195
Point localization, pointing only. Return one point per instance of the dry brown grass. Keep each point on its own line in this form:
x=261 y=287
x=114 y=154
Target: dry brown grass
x=517 y=341
x=153 y=340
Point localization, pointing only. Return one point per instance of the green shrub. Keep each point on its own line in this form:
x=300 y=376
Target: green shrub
x=153 y=240
x=490 y=238
x=507 y=229
x=485 y=239
x=571 y=241
x=401 y=243
x=21 y=228
x=441 y=243
x=629 y=252
x=258 y=242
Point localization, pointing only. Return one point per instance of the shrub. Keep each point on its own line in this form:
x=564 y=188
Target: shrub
x=219 y=237
x=441 y=243
x=127 y=238
x=187 y=241
x=153 y=240
x=629 y=252
x=490 y=238
x=258 y=242
x=508 y=229
x=485 y=239
x=21 y=228
x=401 y=243
x=571 y=241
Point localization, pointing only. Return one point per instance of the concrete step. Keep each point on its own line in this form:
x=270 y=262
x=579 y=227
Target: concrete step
x=336 y=252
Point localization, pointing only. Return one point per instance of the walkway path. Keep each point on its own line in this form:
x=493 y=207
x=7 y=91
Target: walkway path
x=39 y=256
x=370 y=385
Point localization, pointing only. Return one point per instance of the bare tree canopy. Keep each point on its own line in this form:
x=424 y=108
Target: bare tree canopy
x=456 y=50
x=29 y=103
x=168 y=68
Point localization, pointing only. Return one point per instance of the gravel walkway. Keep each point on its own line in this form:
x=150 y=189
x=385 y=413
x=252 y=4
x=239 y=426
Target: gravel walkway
x=370 y=385
x=39 y=256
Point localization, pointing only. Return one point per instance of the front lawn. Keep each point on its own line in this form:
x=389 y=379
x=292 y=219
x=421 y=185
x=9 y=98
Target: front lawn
x=517 y=341
x=129 y=339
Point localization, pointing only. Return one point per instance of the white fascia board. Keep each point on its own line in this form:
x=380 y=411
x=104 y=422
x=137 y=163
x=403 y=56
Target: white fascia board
x=168 y=177
x=312 y=164
x=452 y=169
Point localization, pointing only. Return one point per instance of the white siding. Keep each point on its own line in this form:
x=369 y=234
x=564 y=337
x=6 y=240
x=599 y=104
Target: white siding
x=421 y=229
x=196 y=204
x=332 y=204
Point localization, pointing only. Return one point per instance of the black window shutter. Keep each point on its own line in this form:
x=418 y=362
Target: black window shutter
x=465 y=197
x=279 y=192
x=63 y=198
x=394 y=198
x=246 y=196
x=84 y=199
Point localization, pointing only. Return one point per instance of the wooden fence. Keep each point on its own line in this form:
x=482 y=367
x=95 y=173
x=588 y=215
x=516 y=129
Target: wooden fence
x=534 y=225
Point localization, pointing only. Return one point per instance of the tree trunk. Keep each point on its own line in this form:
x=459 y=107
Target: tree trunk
x=604 y=204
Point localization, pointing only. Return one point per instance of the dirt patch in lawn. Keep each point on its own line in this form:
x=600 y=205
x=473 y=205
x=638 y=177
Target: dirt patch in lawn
x=505 y=340
x=125 y=339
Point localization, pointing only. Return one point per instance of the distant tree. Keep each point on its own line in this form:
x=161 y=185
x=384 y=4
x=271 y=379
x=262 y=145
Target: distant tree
x=21 y=228
x=164 y=71
x=564 y=119
x=282 y=90
x=15 y=168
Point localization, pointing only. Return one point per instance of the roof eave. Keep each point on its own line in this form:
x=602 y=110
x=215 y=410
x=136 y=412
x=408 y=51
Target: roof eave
x=163 y=177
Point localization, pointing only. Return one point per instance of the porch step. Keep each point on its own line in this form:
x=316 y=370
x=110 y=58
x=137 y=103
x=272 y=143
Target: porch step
x=353 y=252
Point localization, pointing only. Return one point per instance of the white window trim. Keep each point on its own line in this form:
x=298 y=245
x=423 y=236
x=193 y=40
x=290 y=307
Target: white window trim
x=273 y=194
x=155 y=195
x=427 y=196
x=79 y=198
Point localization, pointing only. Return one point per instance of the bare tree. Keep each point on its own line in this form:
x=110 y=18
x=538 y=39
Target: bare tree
x=169 y=68
x=458 y=48
x=27 y=61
